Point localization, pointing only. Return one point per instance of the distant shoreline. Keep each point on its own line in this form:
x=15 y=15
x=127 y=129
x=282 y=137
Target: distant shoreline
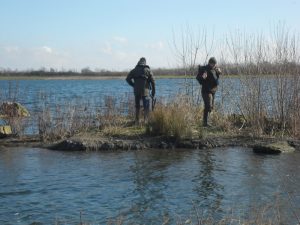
x=85 y=77
x=80 y=77
x=62 y=78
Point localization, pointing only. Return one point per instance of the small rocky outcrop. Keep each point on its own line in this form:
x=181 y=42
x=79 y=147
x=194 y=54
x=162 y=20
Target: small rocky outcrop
x=13 y=109
x=69 y=145
x=295 y=143
x=274 y=148
x=97 y=145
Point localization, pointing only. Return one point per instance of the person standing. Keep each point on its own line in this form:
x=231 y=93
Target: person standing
x=208 y=78
x=142 y=80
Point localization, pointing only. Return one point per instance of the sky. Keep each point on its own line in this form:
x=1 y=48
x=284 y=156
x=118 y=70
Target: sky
x=114 y=34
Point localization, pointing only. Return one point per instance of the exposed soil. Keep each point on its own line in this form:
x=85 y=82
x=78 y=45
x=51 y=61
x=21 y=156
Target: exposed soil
x=98 y=143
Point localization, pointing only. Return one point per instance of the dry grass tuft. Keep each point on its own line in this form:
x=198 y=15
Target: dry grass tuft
x=176 y=119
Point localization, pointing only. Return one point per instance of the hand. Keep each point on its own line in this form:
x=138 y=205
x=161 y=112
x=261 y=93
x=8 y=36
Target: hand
x=218 y=70
x=204 y=75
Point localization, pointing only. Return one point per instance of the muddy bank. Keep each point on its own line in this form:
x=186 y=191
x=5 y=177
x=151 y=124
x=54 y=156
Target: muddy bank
x=28 y=141
x=108 y=144
x=141 y=143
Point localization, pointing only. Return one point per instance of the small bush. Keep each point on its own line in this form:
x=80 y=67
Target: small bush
x=175 y=119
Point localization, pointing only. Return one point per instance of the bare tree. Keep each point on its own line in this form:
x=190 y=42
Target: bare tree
x=190 y=47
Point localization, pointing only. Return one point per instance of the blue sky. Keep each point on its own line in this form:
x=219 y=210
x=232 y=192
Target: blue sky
x=73 y=34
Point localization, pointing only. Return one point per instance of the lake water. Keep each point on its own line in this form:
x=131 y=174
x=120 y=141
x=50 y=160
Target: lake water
x=30 y=92
x=34 y=93
x=143 y=187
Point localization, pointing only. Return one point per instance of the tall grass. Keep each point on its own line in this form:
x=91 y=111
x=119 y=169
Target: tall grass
x=175 y=119
x=62 y=120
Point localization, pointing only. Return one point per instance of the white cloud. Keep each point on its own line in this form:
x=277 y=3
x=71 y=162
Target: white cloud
x=121 y=55
x=107 y=49
x=110 y=55
x=35 y=57
x=156 y=45
x=115 y=56
x=47 y=49
x=115 y=52
x=119 y=39
x=11 y=49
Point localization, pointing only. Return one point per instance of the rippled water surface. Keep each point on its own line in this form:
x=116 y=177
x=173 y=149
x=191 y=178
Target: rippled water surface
x=143 y=187
x=29 y=92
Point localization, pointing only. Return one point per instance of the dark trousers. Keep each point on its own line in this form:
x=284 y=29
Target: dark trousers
x=146 y=105
x=209 y=100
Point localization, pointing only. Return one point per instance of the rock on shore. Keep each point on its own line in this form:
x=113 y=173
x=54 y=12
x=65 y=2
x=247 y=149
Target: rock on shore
x=274 y=148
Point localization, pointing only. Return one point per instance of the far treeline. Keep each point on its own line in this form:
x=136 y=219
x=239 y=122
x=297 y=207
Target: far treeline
x=265 y=68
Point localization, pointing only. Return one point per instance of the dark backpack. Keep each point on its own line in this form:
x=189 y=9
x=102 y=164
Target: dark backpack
x=203 y=69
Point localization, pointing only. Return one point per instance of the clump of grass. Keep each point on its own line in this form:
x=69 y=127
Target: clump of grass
x=176 y=119
x=225 y=123
x=126 y=129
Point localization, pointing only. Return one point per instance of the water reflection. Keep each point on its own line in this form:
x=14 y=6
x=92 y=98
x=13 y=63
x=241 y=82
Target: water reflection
x=143 y=186
x=150 y=177
x=207 y=187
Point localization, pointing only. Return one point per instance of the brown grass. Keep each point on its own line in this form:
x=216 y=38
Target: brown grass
x=176 y=119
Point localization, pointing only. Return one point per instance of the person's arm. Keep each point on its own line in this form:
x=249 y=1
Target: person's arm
x=129 y=79
x=152 y=83
x=201 y=76
x=219 y=71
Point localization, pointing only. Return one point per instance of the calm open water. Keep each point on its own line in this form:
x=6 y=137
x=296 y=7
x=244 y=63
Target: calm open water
x=143 y=187
x=32 y=92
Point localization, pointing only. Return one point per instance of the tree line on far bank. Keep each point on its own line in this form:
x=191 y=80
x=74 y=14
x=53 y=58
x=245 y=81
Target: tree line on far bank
x=265 y=68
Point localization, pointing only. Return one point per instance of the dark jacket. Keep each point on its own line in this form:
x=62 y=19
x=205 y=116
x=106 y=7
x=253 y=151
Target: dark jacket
x=141 y=79
x=211 y=82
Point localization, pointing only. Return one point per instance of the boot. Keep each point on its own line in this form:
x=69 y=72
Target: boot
x=205 y=119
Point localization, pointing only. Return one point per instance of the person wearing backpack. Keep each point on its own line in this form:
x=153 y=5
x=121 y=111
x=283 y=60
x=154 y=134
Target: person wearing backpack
x=142 y=80
x=208 y=78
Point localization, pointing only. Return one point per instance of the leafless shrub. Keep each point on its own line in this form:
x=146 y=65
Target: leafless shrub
x=191 y=46
x=270 y=104
x=115 y=110
x=58 y=121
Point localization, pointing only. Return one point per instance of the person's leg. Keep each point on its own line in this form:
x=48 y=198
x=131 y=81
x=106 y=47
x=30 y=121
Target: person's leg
x=212 y=101
x=205 y=96
x=137 y=108
x=210 y=105
x=146 y=105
